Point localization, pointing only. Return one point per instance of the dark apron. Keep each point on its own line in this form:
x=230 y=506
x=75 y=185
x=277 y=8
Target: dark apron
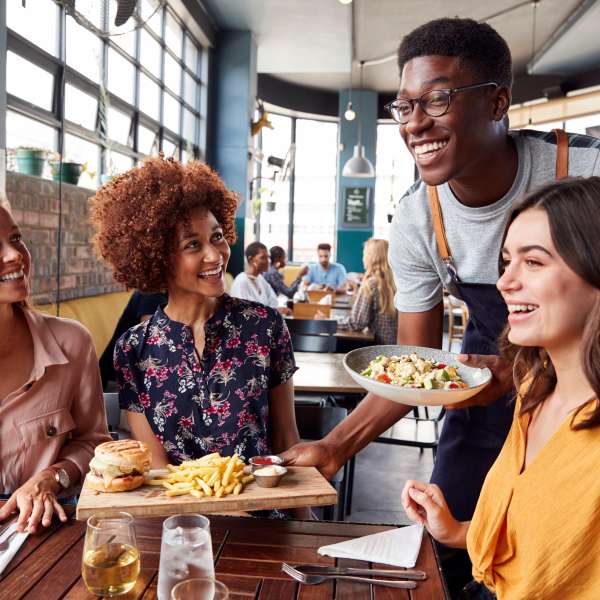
x=472 y=437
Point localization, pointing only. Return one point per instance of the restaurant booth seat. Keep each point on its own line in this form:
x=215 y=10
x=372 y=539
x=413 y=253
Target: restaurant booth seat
x=98 y=314
x=290 y=273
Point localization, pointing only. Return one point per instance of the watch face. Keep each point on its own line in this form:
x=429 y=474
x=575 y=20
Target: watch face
x=63 y=478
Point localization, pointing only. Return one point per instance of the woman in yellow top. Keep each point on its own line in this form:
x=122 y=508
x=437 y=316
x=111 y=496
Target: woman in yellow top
x=535 y=533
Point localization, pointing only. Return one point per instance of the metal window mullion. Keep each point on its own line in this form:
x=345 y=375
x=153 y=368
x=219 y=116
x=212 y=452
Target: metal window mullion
x=136 y=91
x=104 y=78
x=292 y=184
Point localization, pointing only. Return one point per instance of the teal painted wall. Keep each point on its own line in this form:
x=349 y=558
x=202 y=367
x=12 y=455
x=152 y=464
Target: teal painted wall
x=234 y=89
x=351 y=238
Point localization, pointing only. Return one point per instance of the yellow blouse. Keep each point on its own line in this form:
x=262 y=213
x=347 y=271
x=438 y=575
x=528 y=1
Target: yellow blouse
x=536 y=534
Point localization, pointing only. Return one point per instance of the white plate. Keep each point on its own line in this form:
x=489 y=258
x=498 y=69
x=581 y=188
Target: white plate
x=357 y=361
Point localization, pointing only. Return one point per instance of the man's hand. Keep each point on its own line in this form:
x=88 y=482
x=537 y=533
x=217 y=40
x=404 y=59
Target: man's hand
x=312 y=454
x=35 y=501
x=501 y=383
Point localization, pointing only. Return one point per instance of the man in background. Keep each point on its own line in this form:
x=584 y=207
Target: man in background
x=326 y=274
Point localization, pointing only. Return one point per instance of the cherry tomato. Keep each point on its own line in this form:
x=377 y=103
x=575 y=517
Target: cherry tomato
x=383 y=377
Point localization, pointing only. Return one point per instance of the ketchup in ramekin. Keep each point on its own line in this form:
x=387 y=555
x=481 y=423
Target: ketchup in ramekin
x=256 y=462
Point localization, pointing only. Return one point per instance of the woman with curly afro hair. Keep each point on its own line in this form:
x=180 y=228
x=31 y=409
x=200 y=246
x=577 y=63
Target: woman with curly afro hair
x=207 y=372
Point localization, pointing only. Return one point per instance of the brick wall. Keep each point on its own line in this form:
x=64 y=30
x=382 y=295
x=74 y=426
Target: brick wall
x=34 y=203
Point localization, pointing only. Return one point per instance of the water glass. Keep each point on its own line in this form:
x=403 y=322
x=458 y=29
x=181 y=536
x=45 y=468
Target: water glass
x=111 y=560
x=200 y=588
x=185 y=552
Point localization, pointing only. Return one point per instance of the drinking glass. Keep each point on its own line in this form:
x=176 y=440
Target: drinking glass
x=185 y=552
x=111 y=560
x=200 y=588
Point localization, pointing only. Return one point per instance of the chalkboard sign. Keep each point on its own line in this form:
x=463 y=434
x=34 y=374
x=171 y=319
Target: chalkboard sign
x=356 y=206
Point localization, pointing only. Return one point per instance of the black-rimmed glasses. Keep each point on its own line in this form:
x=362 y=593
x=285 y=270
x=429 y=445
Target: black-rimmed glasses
x=434 y=103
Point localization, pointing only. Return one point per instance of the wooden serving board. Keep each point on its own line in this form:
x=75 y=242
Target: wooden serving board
x=301 y=486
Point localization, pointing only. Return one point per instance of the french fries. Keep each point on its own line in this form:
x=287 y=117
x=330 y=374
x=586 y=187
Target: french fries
x=211 y=475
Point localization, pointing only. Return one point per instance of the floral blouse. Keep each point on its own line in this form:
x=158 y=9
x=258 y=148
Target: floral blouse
x=219 y=403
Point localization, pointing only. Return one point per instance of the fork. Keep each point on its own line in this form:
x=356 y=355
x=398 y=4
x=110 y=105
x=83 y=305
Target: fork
x=4 y=544
x=316 y=579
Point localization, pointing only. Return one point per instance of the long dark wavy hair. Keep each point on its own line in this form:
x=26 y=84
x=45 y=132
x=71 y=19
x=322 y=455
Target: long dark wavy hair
x=573 y=209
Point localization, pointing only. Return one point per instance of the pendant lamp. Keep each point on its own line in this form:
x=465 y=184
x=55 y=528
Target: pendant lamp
x=359 y=165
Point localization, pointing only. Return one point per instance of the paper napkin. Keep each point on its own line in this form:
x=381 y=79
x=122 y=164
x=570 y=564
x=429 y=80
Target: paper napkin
x=397 y=547
x=13 y=546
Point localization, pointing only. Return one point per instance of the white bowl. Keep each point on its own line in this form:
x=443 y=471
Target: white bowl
x=357 y=361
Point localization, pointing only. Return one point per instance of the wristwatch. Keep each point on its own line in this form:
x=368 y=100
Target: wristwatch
x=61 y=477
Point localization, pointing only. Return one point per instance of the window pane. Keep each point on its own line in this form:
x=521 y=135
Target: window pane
x=86 y=153
x=83 y=50
x=395 y=174
x=172 y=74
x=121 y=76
x=149 y=97
x=21 y=131
x=169 y=148
x=315 y=177
x=119 y=163
x=80 y=108
x=173 y=35
x=588 y=125
x=171 y=113
x=119 y=125
x=189 y=126
x=190 y=90
x=92 y=11
x=37 y=21
x=150 y=53
x=123 y=40
x=28 y=81
x=152 y=16
x=147 y=141
x=191 y=54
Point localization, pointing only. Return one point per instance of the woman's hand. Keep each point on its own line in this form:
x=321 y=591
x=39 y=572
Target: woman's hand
x=35 y=501
x=425 y=503
x=501 y=383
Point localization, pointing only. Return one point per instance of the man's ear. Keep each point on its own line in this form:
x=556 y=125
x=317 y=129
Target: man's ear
x=502 y=99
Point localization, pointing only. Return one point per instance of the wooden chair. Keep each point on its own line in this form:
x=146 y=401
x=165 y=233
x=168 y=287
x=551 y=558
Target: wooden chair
x=314 y=423
x=307 y=310
x=458 y=317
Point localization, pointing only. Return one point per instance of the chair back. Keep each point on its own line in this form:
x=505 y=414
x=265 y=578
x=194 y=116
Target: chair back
x=307 y=310
x=316 y=295
x=113 y=410
x=315 y=422
x=312 y=327
x=313 y=343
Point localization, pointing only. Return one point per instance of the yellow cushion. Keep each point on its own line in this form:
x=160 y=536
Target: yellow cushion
x=290 y=273
x=98 y=314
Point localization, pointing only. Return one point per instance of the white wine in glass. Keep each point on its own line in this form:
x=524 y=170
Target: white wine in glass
x=111 y=560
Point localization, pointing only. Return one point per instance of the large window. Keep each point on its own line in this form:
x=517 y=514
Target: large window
x=124 y=96
x=297 y=211
x=395 y=173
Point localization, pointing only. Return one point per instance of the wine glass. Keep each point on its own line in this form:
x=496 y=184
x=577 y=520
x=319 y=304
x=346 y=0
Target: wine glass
x=111 y=560
x=200 y=588
x=185 y=552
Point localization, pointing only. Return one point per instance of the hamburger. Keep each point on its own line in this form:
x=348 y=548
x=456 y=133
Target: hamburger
x=119 y=466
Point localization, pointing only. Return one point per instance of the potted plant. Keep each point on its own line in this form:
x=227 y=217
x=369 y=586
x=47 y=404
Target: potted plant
x=69 y=171
x=30 y=161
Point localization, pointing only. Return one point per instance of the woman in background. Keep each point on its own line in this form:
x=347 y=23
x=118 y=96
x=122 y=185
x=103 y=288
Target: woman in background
x=536 y=528
x=51 y=408
x=275 y=277
x=374 y=305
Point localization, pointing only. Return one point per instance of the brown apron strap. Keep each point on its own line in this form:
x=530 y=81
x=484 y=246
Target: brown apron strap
x=562 y=153
x=438 y=223
x=562 y=170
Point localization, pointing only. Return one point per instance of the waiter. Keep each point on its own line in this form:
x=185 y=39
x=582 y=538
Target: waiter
x=455 y=91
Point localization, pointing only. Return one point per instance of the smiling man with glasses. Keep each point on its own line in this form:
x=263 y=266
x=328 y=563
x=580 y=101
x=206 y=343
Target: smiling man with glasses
x=452 y=105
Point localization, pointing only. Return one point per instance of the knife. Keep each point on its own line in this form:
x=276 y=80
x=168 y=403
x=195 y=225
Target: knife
x=7 y=524
x=405 y=574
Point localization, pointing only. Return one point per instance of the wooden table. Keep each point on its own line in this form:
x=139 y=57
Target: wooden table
x=323 y=372
x=363 y=336
x=248 y=555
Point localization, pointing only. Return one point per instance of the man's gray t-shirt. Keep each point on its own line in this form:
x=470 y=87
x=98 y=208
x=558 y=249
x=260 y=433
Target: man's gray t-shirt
x=474 y=234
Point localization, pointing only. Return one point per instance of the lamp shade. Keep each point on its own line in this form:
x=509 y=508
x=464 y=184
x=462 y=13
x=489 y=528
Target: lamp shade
x=358 y=165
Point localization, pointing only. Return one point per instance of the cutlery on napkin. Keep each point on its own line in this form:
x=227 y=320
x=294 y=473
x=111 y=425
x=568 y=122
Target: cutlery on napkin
x=397 y=547
x=14 y=543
